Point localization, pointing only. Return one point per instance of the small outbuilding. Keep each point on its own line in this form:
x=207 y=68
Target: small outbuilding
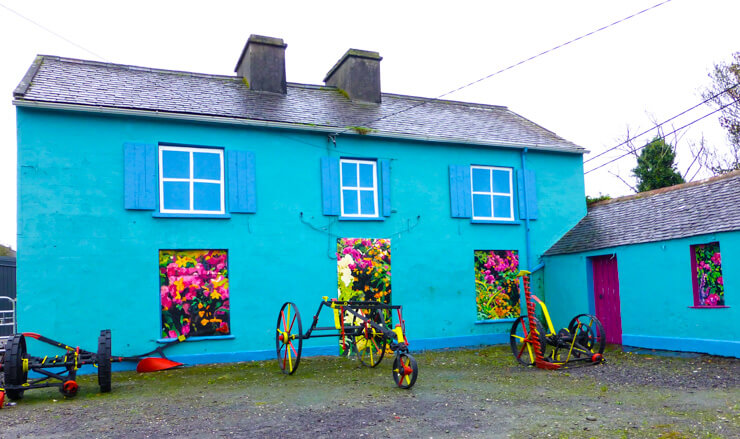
x=659 y=268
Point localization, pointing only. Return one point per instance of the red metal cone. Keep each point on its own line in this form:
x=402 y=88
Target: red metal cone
x=154 y=364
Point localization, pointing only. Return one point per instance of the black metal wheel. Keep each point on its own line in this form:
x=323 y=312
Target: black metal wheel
x=520 y=339
x=589 y=335
x=405 y=370
x=369 y=342
x=289 y=338
x=15 y=372
x=104 y=361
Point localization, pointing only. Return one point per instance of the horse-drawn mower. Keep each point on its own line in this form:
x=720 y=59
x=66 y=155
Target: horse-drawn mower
x=61 y=370
x=362 y=327
x=583 y=341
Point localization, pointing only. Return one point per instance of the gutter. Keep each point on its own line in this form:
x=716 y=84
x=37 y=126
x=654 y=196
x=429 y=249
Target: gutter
x=284 y=125
x=526 y=210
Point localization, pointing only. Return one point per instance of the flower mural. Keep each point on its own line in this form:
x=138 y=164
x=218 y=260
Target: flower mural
x=496 y=284
x=363 y=273
x=194 y=292
x=709 y=283
x=364 y=269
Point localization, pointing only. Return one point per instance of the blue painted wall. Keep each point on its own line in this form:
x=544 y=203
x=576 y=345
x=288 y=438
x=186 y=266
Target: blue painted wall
x=85 y=263
x=656 y=295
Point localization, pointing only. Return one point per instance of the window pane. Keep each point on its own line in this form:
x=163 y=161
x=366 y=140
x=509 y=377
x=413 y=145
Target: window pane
x=176 y=195
x=481 y=180
x=481 y=205
x=350 y=202
x=501 y=181
x=349 y=174
x=366 y=175
x=367 y=202
x=207 y=165
x=207 y=196
x=502 y=206
x=175 y=164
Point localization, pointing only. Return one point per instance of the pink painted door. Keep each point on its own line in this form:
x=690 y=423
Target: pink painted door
x=606 y=296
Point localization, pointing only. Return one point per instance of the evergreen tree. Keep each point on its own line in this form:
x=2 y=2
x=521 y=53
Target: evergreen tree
x=655 y=166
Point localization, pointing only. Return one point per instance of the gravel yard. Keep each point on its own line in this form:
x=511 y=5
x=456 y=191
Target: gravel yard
x=466 y=393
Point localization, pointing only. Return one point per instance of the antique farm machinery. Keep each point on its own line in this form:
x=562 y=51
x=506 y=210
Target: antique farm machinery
x=361 y=327
x=583 y=341
x=61 y=370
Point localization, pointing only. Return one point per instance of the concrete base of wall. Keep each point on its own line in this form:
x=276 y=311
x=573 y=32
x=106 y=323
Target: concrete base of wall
x=725 y=348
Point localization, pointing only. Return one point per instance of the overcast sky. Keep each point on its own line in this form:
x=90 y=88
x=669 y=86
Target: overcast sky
x=648 y=68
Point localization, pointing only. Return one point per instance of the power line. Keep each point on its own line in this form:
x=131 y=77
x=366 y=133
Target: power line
x=663 y=137
x=661 y=124
x=54 y=33
x=424 y=102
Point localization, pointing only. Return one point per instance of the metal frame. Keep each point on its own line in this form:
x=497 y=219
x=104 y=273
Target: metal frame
x=405 y=369
x=8 y=317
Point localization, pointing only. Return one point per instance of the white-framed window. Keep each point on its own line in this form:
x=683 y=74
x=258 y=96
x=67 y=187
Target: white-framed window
x=358 y=188
x=492 y=193
x=191 y=180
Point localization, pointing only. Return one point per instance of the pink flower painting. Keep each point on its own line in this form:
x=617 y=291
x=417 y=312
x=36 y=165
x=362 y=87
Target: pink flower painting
x=496 y=285
x=194 y=292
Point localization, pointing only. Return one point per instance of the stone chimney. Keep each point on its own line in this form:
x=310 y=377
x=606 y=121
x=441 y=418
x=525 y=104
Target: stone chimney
x=358 y=74
x=262 y=64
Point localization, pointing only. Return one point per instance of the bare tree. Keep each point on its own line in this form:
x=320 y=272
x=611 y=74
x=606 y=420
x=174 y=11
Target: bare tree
x=724 y=93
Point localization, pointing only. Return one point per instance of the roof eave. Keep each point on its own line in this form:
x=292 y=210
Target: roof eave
x=284 y=125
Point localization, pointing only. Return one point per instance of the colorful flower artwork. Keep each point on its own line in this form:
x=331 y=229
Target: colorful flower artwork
x=194 y=292
x=496 y=284
x=709 y=283
x=363 y=273
x=364 y=269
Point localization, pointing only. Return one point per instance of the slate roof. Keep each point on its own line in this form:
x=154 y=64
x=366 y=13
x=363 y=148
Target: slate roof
x=56 y=81
x=679 y=211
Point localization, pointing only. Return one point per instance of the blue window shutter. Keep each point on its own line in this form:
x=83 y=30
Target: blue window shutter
x=526 y=184
x=460 y=199
x=242 y=182
x=139 y=176
x=330 y=185
x=385 y=183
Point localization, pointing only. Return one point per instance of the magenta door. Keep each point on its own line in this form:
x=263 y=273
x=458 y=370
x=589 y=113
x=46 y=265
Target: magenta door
x=606 y=296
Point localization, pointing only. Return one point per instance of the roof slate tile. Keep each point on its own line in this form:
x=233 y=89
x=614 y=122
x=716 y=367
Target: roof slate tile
x=56 y=80
x=680 y=211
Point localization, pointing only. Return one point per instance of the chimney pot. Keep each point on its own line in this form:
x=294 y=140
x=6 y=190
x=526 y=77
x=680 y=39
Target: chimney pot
x=262 y=64
x=358 y=74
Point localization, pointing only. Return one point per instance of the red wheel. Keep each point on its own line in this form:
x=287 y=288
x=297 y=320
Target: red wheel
x=289 y=338
x=369 y=343
x=521 y=339
x=405 y=370
x=69 y=388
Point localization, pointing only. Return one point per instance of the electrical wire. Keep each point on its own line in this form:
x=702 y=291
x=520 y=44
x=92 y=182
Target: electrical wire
x=662 y=137
x=54 y=33
x=661 y=124
x=559 y=46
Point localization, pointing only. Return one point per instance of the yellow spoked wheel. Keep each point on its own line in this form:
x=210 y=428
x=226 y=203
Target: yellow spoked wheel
x=405 y=370
x=521 y=338
x=369 y=342
x=289 y=338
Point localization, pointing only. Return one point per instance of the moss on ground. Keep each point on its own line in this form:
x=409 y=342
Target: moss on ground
x=459 y=393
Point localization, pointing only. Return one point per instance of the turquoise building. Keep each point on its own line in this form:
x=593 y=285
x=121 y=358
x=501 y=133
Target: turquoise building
x=161 y=203
x=660 y=268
